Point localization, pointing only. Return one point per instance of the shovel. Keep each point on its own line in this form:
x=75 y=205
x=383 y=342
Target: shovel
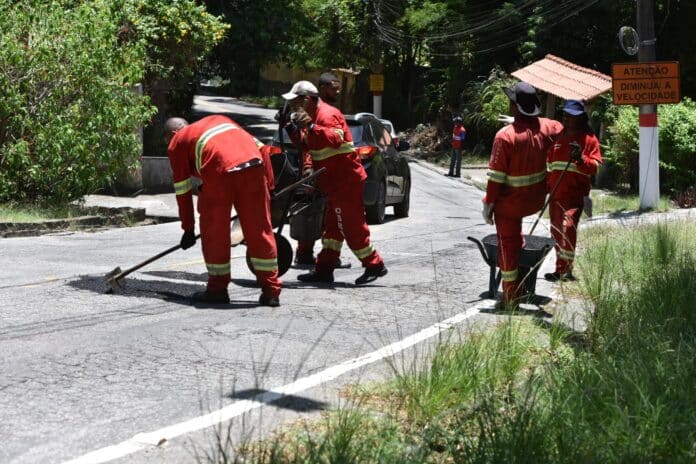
x=115 y=277
x=575 y=146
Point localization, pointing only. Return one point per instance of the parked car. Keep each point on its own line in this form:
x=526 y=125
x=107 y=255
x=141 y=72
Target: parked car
x=387 y=123
x=388 y=173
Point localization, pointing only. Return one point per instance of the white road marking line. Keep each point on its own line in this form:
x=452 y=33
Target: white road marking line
x=145 y=440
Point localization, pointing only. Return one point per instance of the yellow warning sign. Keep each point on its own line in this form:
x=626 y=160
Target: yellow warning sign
x=646 y=83
x=376 y=82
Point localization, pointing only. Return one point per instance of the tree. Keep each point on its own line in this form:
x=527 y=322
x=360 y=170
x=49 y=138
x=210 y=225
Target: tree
x=176 y=36
x=68 y=111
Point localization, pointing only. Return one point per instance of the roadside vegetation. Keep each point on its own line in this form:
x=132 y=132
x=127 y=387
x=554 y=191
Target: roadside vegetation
x=533 y=391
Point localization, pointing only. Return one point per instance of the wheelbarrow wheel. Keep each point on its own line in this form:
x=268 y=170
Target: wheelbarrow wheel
x=284 y=255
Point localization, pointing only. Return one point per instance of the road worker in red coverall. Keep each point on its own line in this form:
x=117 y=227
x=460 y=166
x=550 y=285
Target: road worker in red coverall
x=322 y=132
x=517 y=180
x=458 y=137
x=329 y=90
x=228 y=161
x=573 y=190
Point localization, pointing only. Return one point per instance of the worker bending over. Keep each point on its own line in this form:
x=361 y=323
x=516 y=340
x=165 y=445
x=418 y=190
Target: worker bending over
x=227 y=159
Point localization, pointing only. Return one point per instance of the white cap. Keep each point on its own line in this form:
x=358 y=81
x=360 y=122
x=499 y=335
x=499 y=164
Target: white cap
x=301 y=88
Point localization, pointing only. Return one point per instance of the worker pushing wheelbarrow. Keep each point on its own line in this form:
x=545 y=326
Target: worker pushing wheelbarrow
x=517 y=188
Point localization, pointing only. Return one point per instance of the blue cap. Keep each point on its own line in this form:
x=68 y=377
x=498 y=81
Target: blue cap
x=574 y=107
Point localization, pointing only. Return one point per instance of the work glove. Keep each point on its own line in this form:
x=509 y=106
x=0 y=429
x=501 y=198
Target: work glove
x=587 y=205
x=301 y=118
x=188 y=239
x=487 y=213
x=575 y=152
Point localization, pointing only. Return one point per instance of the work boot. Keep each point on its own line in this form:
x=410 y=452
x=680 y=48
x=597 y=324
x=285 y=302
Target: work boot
x=556 y=276
x=371 y=274
x=268 y=300
x=216 y=297
x=304 y=259
x=316 y=277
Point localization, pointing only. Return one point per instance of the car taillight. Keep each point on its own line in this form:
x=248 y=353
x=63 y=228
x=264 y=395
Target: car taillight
x=366 y=152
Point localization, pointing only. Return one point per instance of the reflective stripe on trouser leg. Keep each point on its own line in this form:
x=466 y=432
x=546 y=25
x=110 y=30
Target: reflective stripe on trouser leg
x=345 y=219
x=564 y=226
x=509 y=232
x=252 y=203
x=214 y=206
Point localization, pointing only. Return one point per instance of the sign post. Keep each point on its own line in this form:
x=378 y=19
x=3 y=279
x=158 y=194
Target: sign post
x=377 y=87
x=647 y=84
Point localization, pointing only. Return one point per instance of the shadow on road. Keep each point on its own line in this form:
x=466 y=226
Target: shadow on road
x=173 y=292
x=292 y=402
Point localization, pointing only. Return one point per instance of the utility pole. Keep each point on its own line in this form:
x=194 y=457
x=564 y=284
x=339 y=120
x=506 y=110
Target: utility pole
x=648 y=159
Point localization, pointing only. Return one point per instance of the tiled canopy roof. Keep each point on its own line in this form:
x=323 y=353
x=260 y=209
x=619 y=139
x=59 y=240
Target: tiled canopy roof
x=564 y=79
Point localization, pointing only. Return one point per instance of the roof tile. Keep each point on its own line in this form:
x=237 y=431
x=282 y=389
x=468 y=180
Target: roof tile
x=564 y=79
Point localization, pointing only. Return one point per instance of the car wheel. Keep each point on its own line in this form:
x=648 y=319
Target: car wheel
x=284 y=255
x=401 y=209
x=375 y=213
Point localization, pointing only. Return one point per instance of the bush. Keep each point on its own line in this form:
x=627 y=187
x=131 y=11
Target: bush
x=176 y=36
x=485 y=101
x=677 y=146
x=68 y=110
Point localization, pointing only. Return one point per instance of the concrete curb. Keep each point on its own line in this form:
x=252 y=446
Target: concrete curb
x=469 y=180
x=104 y=217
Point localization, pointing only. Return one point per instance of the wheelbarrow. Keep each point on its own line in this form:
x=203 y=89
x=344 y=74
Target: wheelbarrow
x=531 y=256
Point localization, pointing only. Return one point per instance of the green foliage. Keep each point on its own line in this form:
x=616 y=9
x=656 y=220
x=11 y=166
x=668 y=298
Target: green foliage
x=261 y=32
x=677 y=145
x=484 y=102
x=176 y=36
x=68 y=110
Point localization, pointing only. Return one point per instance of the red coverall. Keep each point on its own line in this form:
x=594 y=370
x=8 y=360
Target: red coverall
x=227 y=159
x=567 y=201
x=328 y=144
x=517 y=187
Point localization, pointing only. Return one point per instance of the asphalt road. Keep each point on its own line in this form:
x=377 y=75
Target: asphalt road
x=122 y=375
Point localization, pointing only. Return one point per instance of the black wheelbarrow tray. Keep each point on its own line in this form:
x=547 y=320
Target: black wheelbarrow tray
x=284 y=204
x=531 y=256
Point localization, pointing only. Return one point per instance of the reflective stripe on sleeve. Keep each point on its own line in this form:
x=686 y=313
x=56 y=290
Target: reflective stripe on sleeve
x=182 y=187
x=264 y=265
x=207 y=135
x=496 y=176
x=560 y=166
x=218 y=269
x=324 y=153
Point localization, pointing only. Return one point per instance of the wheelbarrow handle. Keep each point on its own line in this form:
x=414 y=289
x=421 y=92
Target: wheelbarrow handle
x=548 y=199
x=481 y=249
x=294 y=185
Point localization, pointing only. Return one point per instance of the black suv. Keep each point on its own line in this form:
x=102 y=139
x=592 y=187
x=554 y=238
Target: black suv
x=388 y=173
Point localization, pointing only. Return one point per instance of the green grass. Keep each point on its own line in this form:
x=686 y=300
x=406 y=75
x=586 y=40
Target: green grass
x=38 y=213
x=605 y=202
x=530 y=392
